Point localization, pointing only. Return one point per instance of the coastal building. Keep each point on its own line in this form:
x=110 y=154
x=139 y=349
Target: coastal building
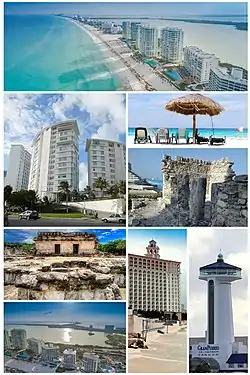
x=148 y=43
x=18 y=168
x=126 y=30
x=55 y=158
x=221 y=80
x=135 y=26
x=138 y=185
x=7 y=342
x=172 y=44
x=199 y=63
x=19 y=338
x=50 y=353
x=90 y=362
x=35 y=346
x=154 y=283
x=59 y=243
x=69 y=359
x=106 y=159
x=220 y=351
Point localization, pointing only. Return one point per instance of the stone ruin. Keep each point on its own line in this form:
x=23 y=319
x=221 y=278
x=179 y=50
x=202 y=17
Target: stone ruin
x=195 y=193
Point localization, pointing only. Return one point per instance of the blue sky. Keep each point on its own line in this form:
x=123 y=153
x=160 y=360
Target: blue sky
x=147 y=162
x=99 y=313
x=172 y=244
x=26 y=236
x=149 y=110
x=134 y=9
x=98 y=116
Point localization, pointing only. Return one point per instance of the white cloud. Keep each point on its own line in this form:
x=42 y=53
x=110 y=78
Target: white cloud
x=204 y=245
x=83 y=175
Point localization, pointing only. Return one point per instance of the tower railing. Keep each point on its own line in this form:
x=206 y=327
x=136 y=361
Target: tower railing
x=228 y=272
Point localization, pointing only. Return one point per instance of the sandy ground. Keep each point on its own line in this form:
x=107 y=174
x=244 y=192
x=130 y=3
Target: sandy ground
x=230 y=143
x=166 y=354
x=134 y=76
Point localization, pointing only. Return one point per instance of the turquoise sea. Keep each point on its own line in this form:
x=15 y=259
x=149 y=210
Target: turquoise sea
x=45 y=53
x=205 y=132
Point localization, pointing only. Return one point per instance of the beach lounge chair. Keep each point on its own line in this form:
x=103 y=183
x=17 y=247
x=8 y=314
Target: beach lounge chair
x=182 y=134
x=162 y=134
x=141 y=136
x=199 y=139
x=216 y=141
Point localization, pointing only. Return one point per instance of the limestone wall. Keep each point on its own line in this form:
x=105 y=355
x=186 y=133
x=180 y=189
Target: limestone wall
x=174 y=170
x=66 y=247
x=229 y=203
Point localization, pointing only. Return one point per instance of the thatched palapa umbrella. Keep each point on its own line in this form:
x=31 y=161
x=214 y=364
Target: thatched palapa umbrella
x=194 y=104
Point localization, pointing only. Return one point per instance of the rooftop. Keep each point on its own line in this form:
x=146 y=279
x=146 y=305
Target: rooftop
x=238 y=358
x=219 y=264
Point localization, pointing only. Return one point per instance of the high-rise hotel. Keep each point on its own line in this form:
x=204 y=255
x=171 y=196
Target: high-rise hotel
x=55 y=158
x=154 y=283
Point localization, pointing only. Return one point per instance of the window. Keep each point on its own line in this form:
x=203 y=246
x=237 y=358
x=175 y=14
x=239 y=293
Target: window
x=240 y=365
x=231 y=365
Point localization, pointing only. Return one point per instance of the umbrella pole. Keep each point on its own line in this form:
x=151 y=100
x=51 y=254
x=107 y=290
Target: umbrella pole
x=194 y=127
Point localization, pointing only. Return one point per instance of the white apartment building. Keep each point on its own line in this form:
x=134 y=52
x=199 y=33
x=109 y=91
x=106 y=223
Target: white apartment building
x=35 y=346
x=90 y=362
x=50 y=353
x=199 y=63
x=135 y=26
x=19 y=338
x=18 y=168
x=7 y=344
x=126 y=30
x=172 y=44
x=106 y=159
x=148 y=43
x=154 y=283
x=69 y=359
x=221 y=80
x=55 y=158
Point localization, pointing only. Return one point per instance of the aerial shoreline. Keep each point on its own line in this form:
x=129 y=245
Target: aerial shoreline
x=132 y=75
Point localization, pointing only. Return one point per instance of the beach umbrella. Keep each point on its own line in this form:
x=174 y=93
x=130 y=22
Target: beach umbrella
x=193 y=105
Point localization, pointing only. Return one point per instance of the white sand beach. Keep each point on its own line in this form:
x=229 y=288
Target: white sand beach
x=230 y=143
x=134 y=76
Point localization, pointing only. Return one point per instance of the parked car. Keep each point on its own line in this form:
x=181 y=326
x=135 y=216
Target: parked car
x=29 y=215
x=114 y=218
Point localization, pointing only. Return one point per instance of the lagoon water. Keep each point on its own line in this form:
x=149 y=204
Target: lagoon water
x=51 y=53
x=61 y=335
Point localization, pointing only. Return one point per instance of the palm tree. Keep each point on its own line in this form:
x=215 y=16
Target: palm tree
x=88 y=192
x=75 y=195
x=122 y=187
x=64 y=188
x=7 y=192
x=101 y=184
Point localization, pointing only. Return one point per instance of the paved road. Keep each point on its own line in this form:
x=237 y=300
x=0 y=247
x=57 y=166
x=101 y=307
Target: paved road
x=60 y=222
x=166 y=354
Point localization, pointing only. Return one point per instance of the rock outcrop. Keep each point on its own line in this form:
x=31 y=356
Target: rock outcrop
x=38 y=278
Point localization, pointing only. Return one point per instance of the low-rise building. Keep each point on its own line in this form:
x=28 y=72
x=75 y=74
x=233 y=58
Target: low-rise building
x=60 y=243
x=221 y=80
x=7 y=343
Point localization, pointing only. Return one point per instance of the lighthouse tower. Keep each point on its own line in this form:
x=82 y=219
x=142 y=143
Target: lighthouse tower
x=219 y=276
x=153 y=250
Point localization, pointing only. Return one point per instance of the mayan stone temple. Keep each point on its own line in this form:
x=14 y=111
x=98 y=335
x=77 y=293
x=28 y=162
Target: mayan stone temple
x=65 y=244
x=195 y=193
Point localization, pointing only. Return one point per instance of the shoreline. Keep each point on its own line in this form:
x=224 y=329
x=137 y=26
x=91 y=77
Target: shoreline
x=133 y=76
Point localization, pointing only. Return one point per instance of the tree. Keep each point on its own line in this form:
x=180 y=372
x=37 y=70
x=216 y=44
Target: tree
x=88 y=192
x=7 y=192
x=122 y=187
x=203 y=368
x=26 y=199
x=64 y=189
x=75 y=195
x=113 y=190
x=101 y=184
